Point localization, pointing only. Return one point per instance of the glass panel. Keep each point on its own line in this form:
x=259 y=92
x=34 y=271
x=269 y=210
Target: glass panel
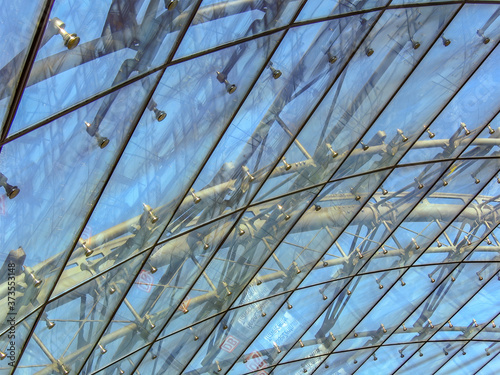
x=471 y=359
x=433 y=356
x=361 y=92
x=491 y=367
x=70 y=324
x=170 y=355
x=59 y=170
x=19 y=20
x=388 y=359
x=251 y=241
x=221 y=21
x=116 y=42
x=439 y=308
x=12 y=341
x=443 y=70
x=162 y=285
x=155 y=170
x=484 y=144
x=271 y=115
x=125 y=366
x=344 y=363
x=325 y=8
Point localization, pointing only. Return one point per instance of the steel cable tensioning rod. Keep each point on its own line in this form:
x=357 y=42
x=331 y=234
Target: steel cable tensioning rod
x=91 y=210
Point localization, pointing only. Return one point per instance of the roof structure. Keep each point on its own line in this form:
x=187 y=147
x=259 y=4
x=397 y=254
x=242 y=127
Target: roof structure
x=249 y=187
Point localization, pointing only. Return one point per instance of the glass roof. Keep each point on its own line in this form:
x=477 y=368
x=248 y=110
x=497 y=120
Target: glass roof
x=249 y=187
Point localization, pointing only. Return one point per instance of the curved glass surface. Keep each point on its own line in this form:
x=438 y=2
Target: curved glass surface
x=249 y=187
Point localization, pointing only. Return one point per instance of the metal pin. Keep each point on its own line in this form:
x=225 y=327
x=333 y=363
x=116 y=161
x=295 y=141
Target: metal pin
x=420 y=353
x=241 y=232
x=36 y=282
x=374 y=357
x=280 y=207
x=476 y=180
x=334 y=153
x=277 y=347
x=414 y=43
x=325 y=263
x=430 y=277
x=402 y=283
x=49 y=324
x=446 y=42
x=149 y=210
x=430 y=324
x=11 y=190
x=383 y=328
x=486 y=40
x=355 y=361
x=159 y=115
x=230 y=88
x=276 y=72
x=449 y=324
x=420 y=185
x=467 y=132
x=453 y=279
x=369 y=52
x=112 y=290
x=102 y=349
x=183 y=308
x=400 y=132
x=101 y=141
x=288 y=305
x=380 y=286
x=487 y=352
x=359 y=253
x=348 y=292
x=205 y=246
x=404 y=328
x=445 y=352
x=88 y=252
x=431 y=134
x=445 y=183
x=151 y=324
x=324 y=296
x=258 y=281
x=331 y=58
x=153 y=356
x=439 y=243
x=355 y=334
x=297 y=269
x=384 y=192
x=196 y=198
x=491 y=130
x=475 y=323
x=195 y=337
x=401 y=353
x=415 y=243
x=63 y=368
x=463 y=352
x=498 y=179
x=2 y=355
x=171 y=4
x=70 y=40
x=287 y=166
x=247 y=171
x=493 y=325
x=301 y=343
x=317 y=207
x=365 y=147
x=153 y=269
x=326 y=365
x=332 y=336
x=384 y=250
x=227 y=289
